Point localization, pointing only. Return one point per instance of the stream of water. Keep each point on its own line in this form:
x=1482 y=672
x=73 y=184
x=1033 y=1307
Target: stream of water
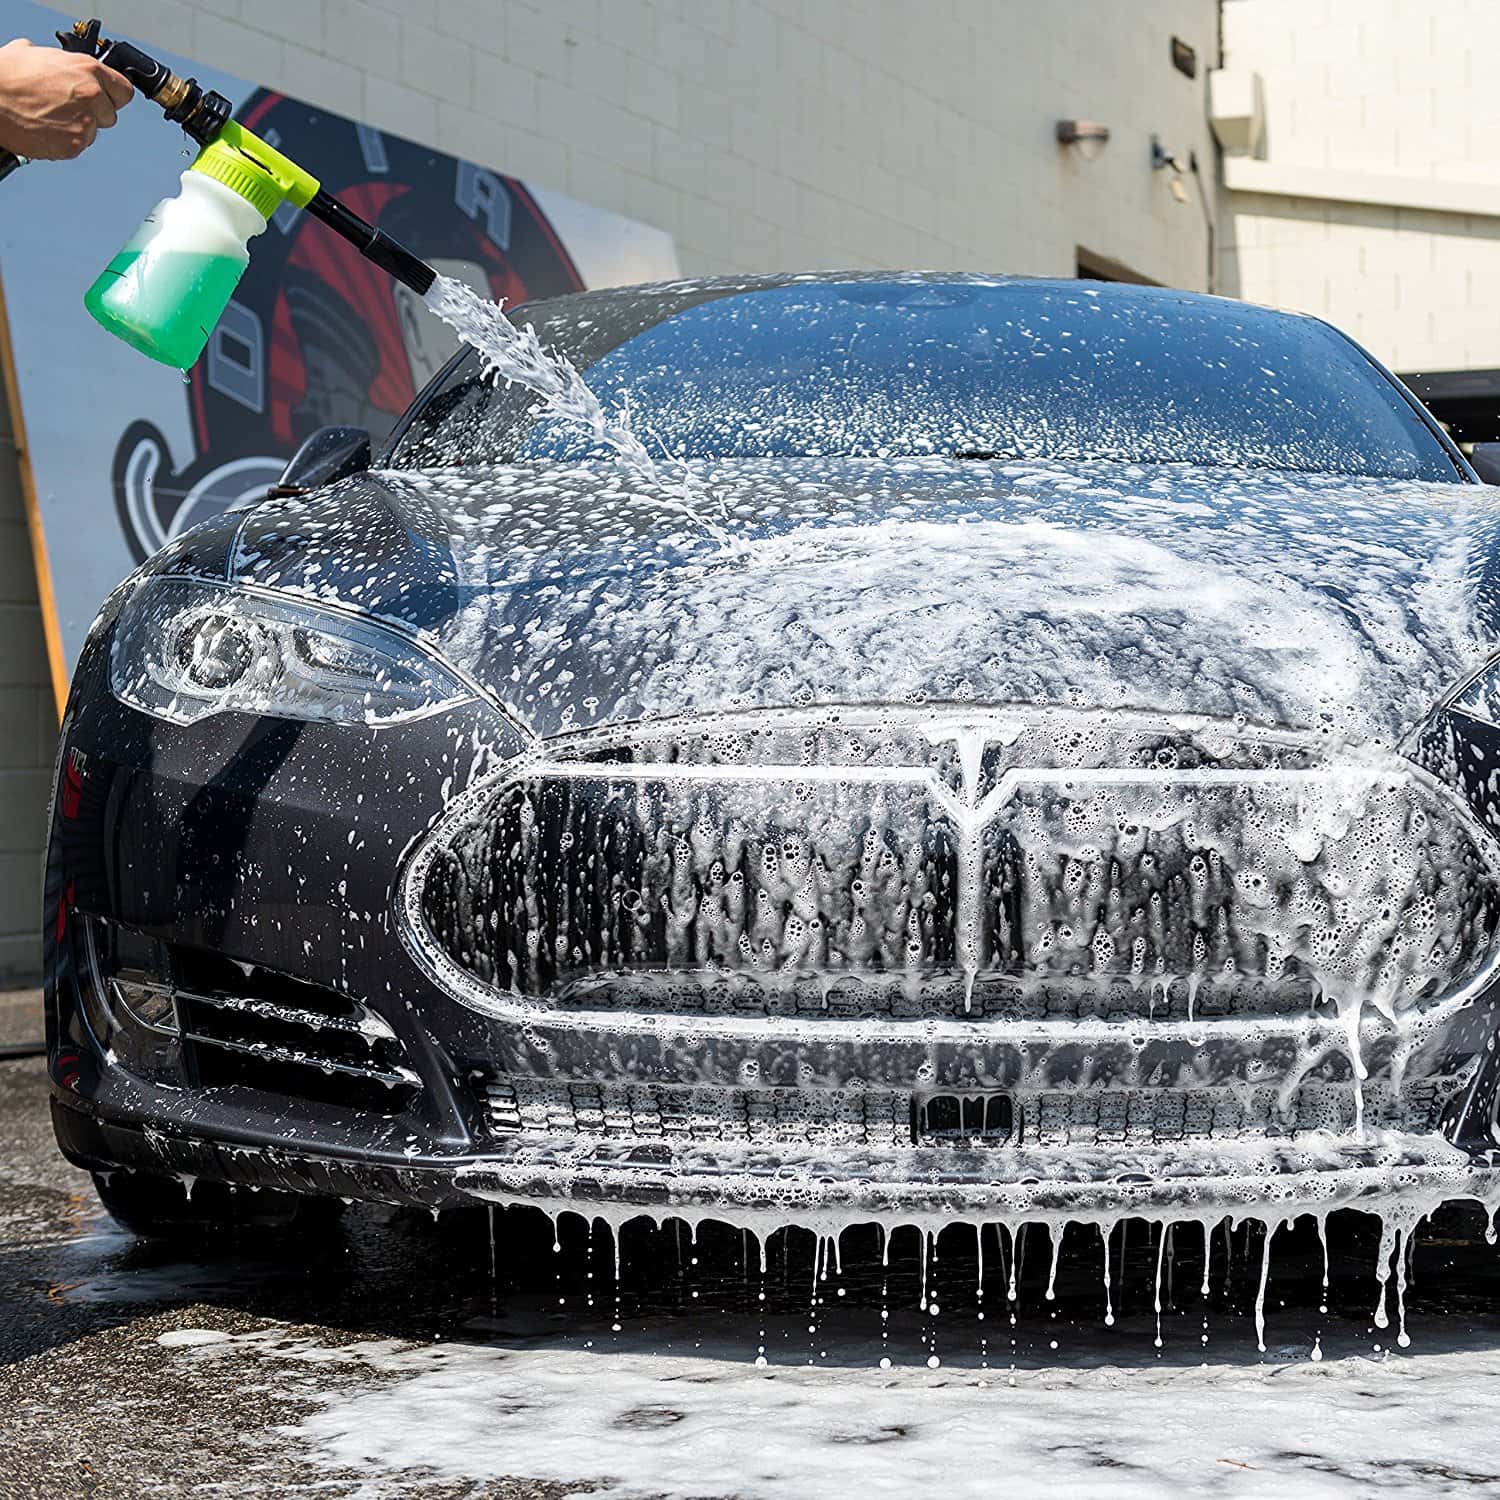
x=514 y=353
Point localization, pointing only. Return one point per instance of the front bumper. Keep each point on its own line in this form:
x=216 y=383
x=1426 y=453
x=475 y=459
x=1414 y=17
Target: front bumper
x=763 y=1189
x=274 y=849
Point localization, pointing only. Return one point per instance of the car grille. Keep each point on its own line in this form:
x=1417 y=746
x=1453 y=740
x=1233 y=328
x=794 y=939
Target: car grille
x=888 y=1119
x=1050 y=867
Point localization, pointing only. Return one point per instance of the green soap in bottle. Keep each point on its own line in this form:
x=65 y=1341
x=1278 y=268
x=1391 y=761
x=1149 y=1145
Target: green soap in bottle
x=164 y=291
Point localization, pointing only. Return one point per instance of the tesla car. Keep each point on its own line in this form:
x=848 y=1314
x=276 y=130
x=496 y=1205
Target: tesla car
x=1030 y=749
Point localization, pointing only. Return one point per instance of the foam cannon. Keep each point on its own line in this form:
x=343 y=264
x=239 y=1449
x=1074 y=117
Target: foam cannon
x=168 y=285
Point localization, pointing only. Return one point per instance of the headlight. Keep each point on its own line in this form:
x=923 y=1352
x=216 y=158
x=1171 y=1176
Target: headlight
x=187 y=648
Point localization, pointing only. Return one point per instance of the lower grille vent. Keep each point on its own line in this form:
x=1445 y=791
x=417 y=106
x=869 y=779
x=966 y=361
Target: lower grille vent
x=239 y=1024
x=883 y=1119
x=832 y=1117
x=267 y=1031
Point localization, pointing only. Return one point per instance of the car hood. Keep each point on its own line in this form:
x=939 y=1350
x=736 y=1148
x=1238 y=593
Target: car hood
x=1317 y=603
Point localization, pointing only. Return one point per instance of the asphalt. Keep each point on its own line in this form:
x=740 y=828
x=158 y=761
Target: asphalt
x=107 y=1388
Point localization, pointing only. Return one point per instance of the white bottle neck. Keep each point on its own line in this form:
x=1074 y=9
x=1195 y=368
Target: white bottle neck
x=202 y=191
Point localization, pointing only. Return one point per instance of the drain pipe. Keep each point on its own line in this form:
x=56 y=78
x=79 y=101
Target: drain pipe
x=1208 y=222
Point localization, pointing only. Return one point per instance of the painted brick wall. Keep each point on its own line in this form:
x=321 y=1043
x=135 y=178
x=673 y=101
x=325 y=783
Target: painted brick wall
x=1393 y=88
x=28 y=733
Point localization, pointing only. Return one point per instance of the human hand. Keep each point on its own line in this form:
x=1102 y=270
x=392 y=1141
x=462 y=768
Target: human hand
x=53 y=103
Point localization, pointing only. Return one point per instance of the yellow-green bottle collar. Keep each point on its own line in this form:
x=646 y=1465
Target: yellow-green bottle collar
x=256 y=170
x=237 y=172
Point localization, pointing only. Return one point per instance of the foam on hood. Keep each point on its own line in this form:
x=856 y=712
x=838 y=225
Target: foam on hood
x=1307 y=601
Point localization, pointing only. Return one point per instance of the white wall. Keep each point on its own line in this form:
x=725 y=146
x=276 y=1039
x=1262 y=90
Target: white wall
x=28 y=732
x=1394 y=102
x=768 y=134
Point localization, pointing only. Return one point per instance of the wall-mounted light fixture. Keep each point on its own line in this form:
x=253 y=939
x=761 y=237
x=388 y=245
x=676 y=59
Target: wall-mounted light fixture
x=1089 y=136
x=1162 y=160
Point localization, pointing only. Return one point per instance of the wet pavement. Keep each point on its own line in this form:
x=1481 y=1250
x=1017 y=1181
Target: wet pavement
x=395 y=1355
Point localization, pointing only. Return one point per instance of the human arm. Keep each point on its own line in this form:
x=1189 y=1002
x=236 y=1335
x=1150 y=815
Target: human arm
x=53 y=103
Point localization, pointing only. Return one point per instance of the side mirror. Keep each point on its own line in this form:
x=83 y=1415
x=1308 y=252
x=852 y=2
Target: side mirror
x=328 y=454
x=1486 y=460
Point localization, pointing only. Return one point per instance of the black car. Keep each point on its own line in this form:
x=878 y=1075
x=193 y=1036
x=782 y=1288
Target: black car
x=1033 y=753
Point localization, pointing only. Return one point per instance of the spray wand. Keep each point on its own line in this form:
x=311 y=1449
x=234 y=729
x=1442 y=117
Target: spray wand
x=166 y=288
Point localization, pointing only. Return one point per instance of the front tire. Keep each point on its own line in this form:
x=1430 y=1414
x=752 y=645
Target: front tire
x=157 y=1207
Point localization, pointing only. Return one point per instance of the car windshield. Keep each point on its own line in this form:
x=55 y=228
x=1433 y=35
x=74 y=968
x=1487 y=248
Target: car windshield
x=965 y=368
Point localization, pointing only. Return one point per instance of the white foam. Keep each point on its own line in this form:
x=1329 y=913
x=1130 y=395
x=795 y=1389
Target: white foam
x=515 y=354
x=632 y=1423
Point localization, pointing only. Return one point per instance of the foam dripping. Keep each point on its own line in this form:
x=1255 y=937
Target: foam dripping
x=1399 y=1218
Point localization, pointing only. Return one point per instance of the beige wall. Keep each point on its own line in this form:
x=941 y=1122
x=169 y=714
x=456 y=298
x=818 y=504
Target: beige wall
x=767 y=134
x=1395 y=103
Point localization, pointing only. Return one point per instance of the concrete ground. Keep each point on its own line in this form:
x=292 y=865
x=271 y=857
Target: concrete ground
x=20 y=1017
x=396 y=1356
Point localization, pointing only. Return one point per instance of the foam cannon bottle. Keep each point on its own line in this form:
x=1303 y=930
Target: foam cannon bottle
x=168 y=285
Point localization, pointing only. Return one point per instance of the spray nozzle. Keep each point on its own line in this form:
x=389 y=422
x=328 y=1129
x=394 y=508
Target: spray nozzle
x=126 y=297
x=240 y=159
x=201 y=112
